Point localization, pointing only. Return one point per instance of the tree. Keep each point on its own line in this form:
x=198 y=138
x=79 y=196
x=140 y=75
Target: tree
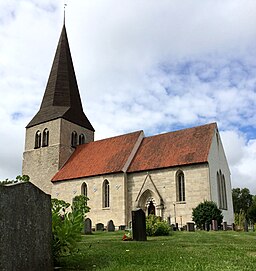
x=242 y=200
x=23 y=178
x=252 y=211
x=205 y=212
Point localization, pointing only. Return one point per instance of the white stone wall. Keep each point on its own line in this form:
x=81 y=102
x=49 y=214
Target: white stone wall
x=217 y=161
x=67 y=190
x=163 y=185
x=42 y=163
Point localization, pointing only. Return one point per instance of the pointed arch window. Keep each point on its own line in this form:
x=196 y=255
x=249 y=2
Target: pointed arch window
x=37 y=139
x=105 y=194
x=84 y=189
x=180 y=186
x=74 y=139
x=81 y=139
x=45 y=138
x=222 y=193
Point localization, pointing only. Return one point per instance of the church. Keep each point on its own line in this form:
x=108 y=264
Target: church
x=166 y=174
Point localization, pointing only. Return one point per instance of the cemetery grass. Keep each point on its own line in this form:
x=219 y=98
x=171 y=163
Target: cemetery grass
x=181 y=251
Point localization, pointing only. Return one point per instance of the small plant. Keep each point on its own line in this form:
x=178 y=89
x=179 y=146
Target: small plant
x=156 y=227
x=19 y=179
x=67 y=225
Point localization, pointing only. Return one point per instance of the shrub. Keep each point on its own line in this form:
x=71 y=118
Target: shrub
x=67 y=225
x=205 y=212
x=156 y=227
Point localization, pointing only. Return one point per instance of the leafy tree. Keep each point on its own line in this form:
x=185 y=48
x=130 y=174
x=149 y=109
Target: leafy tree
x=242 y=200
x=23 y=178
x=252 y=210
x=205 y=212
x=67 y=225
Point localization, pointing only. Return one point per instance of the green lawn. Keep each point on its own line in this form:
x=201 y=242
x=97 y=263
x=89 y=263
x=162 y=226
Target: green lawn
x=183 y=251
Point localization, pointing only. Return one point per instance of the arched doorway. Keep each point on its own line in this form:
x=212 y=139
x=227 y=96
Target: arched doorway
x=151 y=208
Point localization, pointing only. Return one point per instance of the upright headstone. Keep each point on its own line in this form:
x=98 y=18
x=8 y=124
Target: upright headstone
x=110 y=226
x=139 y=225
x=190 y=226
x=122 y=227
x=214 y=225
x=206 y=226
x=225 y=226
x=25 y=228
x=245 y=226
x=87 y=226
x=99 y=227
x=233 y=226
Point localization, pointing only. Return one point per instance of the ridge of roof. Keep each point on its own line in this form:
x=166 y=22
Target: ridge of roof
x=61 y=98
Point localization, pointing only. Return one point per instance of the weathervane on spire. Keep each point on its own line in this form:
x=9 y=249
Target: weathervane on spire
x=64 y=13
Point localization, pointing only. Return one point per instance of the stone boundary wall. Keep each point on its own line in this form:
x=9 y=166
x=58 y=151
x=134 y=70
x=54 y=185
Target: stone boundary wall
x=25 y=228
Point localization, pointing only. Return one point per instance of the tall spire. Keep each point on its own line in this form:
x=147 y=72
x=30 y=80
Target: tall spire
x=61 y=98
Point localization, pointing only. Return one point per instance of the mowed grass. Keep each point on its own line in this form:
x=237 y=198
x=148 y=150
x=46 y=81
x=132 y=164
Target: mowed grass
x=182 y=251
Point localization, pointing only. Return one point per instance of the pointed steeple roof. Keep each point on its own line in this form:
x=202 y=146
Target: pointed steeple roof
x=61 y=98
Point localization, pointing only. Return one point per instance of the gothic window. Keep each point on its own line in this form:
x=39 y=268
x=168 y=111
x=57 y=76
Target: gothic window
x=180 y=186
x=222 y=193
x=45 y=138
x=74 y=139
x=84 y=189
x=105 y=194
x=37 y=140
x=81 y=139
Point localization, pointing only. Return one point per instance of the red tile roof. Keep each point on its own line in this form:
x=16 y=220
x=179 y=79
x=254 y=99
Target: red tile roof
x=182 y=147
x=98 y=157
x=188 y=146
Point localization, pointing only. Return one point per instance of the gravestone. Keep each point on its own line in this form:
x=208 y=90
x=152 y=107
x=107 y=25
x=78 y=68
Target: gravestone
x=110 y=226
x=122 y=227
x=225 y=226
x=190 y=226
x=25 y=228
x=99 y=227
x=87 y=226
x=214 y=225
x=139 y=225
x=206 y=226
x=233 y=226
x=245 y=226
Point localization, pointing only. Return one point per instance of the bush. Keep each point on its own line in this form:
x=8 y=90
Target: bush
x=205 y=212
x=156 y=227
x=67 y=225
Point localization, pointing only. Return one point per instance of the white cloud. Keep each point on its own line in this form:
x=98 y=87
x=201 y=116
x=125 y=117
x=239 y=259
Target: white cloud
x=140 y=64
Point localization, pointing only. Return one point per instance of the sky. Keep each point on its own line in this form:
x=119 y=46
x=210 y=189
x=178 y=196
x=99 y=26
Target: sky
x=149 y=65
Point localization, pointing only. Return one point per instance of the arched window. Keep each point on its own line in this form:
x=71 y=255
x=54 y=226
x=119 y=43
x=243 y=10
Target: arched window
x=180 y=186
x=84 y=189
x=222 y=193
x=105 y=194
x=45 y=138
x=81 y=139
x=74 y=139
x=37 y=140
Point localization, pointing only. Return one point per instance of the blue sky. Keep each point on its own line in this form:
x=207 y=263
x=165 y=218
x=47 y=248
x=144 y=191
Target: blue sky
x=140 y=64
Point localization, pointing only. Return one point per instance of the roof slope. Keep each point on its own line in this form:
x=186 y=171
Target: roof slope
x=99 y=157
x=188 y=146
x=61 y=98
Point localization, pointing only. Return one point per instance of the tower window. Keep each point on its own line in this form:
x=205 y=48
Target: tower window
x=84 y=189
x=81 y=139
x=38 y=140
x=180 y=186
x=105 y=194
x=45 y=138
x=74 y=139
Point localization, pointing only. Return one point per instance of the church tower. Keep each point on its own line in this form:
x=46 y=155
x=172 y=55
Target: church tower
x=59 y=125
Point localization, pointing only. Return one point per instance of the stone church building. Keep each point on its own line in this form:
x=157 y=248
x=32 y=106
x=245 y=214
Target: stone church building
x=166 y=174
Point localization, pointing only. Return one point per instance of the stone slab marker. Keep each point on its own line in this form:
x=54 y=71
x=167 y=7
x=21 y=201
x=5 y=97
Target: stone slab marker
x=139 y=225
x=225 y=226
x=110 y=226
x=190 y=226
x=87 y=226
x=99 y=227
x=214 y=225
x=25 y=228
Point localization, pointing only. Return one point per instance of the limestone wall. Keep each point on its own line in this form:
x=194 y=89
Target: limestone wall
x=25 y=228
